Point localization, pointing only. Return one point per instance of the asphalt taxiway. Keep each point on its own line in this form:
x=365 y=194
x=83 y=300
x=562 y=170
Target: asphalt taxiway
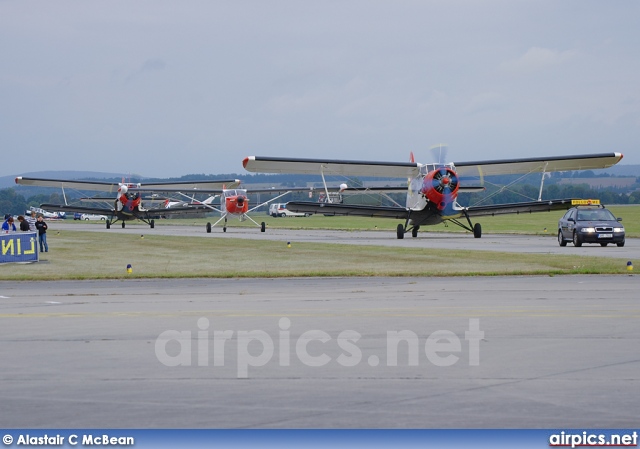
x=530 y=244
x=515 y=352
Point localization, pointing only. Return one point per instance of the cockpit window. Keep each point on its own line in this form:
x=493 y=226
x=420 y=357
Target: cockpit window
x=235 y=192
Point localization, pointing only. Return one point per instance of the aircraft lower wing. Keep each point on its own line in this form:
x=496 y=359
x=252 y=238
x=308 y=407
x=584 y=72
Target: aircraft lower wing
x=402 y=213
x=103 y=211
x=519 y=208
x=78 y=209
x=347 y=209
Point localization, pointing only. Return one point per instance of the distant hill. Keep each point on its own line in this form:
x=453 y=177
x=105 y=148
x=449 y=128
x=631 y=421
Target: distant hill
x=622 y=170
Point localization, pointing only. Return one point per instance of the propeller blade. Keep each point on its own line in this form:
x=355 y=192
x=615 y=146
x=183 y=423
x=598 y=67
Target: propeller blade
x=439 y=153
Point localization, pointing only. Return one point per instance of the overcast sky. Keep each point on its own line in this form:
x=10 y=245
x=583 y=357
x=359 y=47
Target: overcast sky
x=166 y=88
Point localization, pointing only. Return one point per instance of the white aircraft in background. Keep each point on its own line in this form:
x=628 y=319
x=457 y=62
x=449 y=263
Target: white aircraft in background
x=47 y=214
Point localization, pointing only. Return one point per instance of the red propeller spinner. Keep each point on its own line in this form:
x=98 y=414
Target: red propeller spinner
x=441 y=187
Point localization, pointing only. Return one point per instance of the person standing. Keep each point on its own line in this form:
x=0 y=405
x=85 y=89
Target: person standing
x=41 y=226
x=8 y=224
x=32 y=221
x=24 y=224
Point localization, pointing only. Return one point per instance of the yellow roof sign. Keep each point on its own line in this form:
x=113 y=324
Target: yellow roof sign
x=585 y=202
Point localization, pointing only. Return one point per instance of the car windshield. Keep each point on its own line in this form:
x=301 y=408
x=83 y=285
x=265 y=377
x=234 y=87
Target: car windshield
x=595 y=215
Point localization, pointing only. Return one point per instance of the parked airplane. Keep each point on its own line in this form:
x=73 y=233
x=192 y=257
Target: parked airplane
x=46 y=214
x=432 y=188
x=127 y=205
x=234 y=202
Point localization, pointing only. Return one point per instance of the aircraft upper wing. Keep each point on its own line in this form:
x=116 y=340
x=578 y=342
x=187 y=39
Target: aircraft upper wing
x=112 y=187
x=537 y=164
x=183 y=186
x=409 y=169
x=79 y=185
x=264 y=164
x=347 y=209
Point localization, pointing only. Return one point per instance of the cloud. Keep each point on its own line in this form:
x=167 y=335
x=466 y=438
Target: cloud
x=486 y=101
x=536 y=59
x=152 y=65
x=148 y=66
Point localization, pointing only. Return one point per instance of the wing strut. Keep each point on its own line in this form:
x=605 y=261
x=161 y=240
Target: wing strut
x=324 y=183
x=544 y=172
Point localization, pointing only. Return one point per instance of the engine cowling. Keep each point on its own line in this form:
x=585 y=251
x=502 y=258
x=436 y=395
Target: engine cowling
x=237 y=204
x=441 y=187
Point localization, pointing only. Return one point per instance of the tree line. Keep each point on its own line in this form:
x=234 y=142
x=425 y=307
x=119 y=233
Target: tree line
x=12 y=202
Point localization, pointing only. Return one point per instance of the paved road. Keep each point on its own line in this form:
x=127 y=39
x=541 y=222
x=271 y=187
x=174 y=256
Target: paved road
x=507 y=243
x=556 y=352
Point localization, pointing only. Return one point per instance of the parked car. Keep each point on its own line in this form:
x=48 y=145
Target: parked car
x=77 y=216
x=590 y=224
x=93 y=217
x=280 y=210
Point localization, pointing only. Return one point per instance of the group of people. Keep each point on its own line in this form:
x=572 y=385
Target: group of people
x=30 y=223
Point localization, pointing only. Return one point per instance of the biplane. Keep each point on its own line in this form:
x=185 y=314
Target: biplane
x=432 y=189
x=126 y=205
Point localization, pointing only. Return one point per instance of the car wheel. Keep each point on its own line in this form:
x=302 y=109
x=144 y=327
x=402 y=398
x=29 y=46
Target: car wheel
x=603 y=244
x=621 y=244
x=86 y=219
x=561 y=240
x=577 y=242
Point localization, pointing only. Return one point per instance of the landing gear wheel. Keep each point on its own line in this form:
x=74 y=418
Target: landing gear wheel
x=576 y=240
x=108 y=224
x=621 y=244
x=152 y=223
x=561 y=240
x=263 y=226
x=123 y=225
x=224 y=229
x=208 y=228
x=414 y=231
x=400 y=231
x=477 y=231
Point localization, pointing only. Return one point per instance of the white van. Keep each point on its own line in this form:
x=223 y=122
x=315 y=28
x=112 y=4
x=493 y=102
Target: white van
x=280 y=210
